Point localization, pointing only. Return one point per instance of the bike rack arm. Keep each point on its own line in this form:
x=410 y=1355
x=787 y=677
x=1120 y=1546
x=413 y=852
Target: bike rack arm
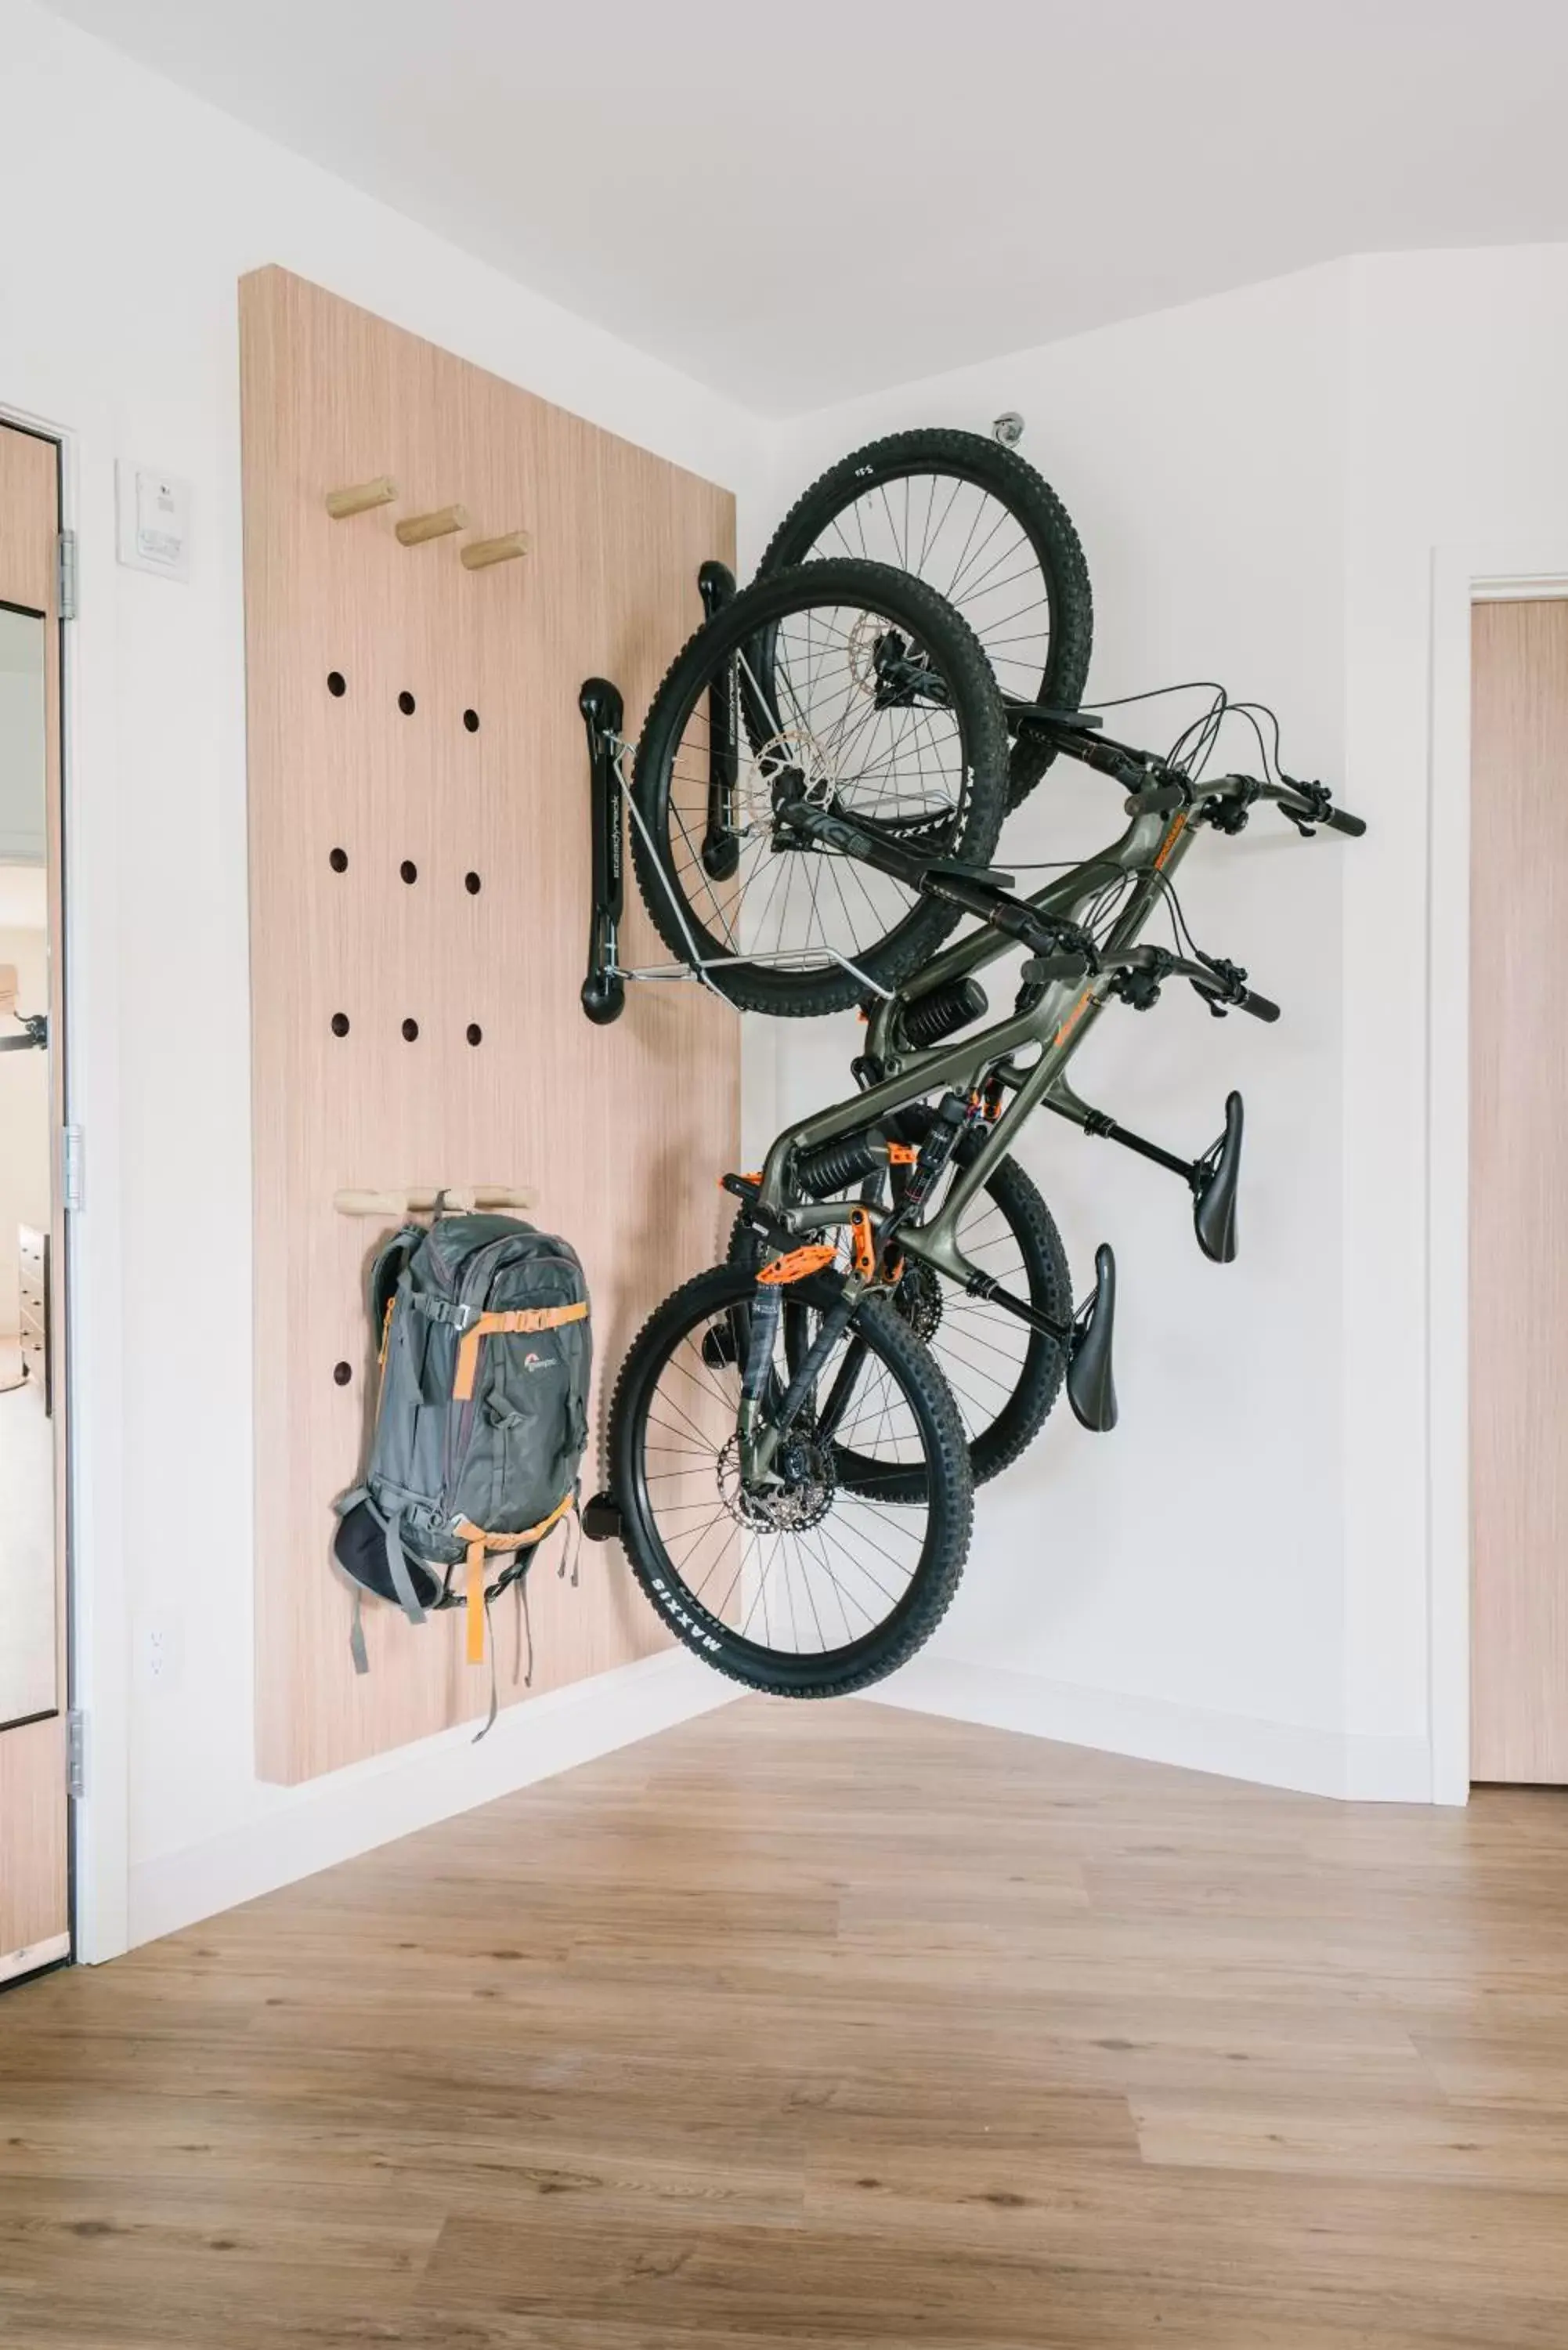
x=604 y=714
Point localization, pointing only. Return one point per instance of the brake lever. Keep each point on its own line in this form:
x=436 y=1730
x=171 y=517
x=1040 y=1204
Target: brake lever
x=1317 y=799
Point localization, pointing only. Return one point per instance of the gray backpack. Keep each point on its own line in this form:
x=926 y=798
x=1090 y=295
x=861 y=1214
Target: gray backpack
x=481 y=1422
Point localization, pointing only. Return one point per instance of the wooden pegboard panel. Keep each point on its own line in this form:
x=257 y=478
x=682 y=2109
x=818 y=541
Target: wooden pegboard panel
x=622 y=1130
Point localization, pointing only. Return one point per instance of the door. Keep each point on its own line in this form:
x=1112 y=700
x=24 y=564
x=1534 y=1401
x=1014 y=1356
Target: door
x=1518 y=1192
x=34 y=1889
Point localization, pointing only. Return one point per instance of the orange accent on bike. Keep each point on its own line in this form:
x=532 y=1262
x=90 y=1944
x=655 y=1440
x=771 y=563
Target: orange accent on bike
x=1074 y=1017
x=901 y=1154
x=1177 y=827
x=798 y=1265
x=862 y=1246
x=725 y=1181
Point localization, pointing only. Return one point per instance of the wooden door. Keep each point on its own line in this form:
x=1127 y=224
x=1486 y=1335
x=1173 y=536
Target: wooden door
x=35 y=1894
x=1518 y=1192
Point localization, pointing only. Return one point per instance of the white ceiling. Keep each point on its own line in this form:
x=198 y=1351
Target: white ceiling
x=806 y=200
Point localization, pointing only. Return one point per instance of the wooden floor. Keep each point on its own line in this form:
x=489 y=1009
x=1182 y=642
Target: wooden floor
x=832 y=2025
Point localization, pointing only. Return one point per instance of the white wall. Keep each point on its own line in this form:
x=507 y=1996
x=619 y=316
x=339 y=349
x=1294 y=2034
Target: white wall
x=118 y=323
x=1194 y=1560
x=1459 y=363
x=1265 y=483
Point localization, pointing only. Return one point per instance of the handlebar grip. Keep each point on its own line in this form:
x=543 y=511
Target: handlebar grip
x=1314 y=811
x=1246 y=999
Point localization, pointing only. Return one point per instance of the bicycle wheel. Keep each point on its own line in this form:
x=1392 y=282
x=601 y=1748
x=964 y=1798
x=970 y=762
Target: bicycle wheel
x=1005 y=1378
x=851 y=686
x=819 y=1586
x=978 y=524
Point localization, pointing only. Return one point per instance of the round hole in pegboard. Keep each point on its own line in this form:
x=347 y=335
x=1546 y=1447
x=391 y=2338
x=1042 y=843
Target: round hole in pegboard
x=410 y=1031
x=336 y=683
x=340 y=1024
x=475 y=1033
x=407 y=704
x=409 y=870
x=342 y=1373
x=471 y=719
x=473 y=884
x=338 y=860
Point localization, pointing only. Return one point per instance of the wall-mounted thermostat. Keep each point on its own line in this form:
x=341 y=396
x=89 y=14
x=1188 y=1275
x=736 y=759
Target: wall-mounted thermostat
x=155 y=520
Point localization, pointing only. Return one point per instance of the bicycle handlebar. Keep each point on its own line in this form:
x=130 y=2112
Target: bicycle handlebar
x=1307 y=804
x=1220 y=983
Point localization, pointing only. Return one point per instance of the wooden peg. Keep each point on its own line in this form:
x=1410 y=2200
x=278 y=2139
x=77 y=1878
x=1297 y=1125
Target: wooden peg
x=481 y=553
x=460 y=1200
x=341 y=504
x=419 y=528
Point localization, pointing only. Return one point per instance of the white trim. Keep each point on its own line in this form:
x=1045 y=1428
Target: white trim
x=1298 y=1756
x=1461 y=578
x=98 y=1675
x=295 y=1833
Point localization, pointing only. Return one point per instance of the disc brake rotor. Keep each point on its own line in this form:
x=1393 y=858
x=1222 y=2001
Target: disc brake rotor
x=802 y=1500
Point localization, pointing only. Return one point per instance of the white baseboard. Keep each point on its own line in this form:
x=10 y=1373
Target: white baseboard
x=294 y=1831
x=1151 y=1729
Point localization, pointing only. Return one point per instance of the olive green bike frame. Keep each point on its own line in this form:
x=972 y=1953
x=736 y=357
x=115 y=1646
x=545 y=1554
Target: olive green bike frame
x=1148 y=852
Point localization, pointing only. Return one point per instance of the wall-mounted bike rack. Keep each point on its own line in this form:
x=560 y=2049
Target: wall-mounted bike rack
x=611 y=805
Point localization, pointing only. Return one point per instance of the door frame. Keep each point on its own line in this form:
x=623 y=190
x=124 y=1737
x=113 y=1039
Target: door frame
x=1461 y=576
x=98 y=1656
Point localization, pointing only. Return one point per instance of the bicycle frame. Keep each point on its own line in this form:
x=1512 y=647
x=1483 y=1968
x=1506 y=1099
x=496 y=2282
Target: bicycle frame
x=1147 y=852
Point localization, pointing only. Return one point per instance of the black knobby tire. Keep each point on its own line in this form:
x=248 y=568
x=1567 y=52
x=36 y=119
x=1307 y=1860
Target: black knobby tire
x=828 y=519
x=685 y=904
x=948 y=1495
x=997 y=1434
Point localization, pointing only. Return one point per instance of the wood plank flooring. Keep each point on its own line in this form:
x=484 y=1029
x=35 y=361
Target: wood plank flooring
x=833 y=2025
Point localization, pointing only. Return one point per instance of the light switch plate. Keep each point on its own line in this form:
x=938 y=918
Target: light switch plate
x=154 y=511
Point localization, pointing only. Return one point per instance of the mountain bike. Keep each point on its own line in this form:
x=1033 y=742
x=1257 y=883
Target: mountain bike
x=766 y=1391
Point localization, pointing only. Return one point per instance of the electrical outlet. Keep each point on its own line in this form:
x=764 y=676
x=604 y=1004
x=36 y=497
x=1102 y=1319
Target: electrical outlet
x=159 y=1647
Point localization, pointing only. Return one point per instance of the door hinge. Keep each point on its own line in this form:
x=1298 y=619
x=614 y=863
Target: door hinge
x=75 y=1754
x=66 y=574
x=73 y=1172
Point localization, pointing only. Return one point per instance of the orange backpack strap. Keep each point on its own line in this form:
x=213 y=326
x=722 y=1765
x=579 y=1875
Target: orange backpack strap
x=527 y=1317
